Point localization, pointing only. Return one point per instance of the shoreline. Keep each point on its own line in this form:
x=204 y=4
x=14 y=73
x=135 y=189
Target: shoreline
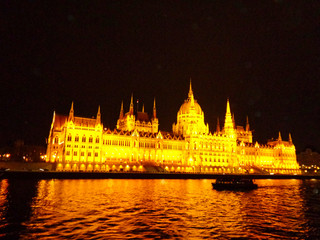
x=136 y=175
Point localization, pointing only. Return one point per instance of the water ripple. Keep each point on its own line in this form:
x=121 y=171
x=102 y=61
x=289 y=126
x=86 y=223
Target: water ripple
x=158 y=209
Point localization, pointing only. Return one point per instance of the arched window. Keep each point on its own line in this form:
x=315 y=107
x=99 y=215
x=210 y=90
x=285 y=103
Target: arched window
x=84 y=139
x=76 y=139
x=90 y=139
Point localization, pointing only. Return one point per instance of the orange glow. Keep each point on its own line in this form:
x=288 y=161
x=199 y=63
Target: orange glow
x=83 y=144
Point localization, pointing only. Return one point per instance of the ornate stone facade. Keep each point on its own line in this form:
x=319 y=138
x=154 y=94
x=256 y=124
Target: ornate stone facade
x=82 y=144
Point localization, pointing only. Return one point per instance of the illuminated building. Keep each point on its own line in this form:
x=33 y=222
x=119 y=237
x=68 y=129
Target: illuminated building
x=82 y=144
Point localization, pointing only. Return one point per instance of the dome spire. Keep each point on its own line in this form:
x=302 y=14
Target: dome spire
x=190 y=94
x=190 y=90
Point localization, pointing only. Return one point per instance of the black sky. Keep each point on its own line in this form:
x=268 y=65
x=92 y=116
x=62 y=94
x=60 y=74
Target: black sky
x=262 y=55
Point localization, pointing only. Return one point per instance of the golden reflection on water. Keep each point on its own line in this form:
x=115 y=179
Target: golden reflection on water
x=181 y=209
x=3 y=198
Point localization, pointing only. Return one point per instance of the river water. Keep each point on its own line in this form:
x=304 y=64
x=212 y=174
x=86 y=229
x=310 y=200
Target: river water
x=157 y=209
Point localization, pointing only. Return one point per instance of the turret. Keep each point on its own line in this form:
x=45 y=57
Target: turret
x=218 y=125
x=290 y=139
x=98 y=121
x=121 y=111
x=228 y=123
x=247 y=125
x=154 y=109
x=131 y=105
x=279 y=138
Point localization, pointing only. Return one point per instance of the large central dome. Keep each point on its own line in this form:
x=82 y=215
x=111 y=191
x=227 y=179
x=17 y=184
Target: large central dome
x=190 y=105
x=190 y=118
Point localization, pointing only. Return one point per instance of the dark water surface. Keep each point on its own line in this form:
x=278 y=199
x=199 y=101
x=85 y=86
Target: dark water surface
x=157 y=209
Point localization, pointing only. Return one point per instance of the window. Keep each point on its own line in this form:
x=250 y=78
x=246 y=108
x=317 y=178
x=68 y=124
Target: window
x=68 y=153
x=96 y=154
x=97 y=140
x=89 y=154
x=82 y=154
x=90 y=139
x=76 y=139
x=83 y=139
x=69 y=138
x=56 y=139
x=75 y=153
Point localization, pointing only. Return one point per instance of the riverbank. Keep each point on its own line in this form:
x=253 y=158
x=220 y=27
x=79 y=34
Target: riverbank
x=133 y=175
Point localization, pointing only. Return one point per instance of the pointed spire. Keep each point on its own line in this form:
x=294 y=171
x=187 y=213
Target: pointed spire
x=98 y=116
x=121 y=111
x=53 y=119
x=131 y=105
x=290 y=139
x=190 y=90
x=247 y=125
x=143 y=108
x=228 y=112
x=71 y=113
x=190 y=94
x=218 y=125
x=192 y=101
x=154 y=108
x=279 y=138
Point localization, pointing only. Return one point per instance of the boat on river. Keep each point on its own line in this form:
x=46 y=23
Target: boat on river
x=234 y=183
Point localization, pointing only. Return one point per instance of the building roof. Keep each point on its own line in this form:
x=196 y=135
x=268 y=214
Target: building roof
x=142 y=116
x=59 y=120
x=86 y=122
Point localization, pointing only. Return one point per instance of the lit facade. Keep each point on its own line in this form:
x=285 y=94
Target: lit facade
x=82 y=144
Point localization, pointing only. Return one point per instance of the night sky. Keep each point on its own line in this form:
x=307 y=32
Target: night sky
x=262 y=55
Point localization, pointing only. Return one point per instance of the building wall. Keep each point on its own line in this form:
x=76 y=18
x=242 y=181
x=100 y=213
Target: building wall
x=94 y=149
